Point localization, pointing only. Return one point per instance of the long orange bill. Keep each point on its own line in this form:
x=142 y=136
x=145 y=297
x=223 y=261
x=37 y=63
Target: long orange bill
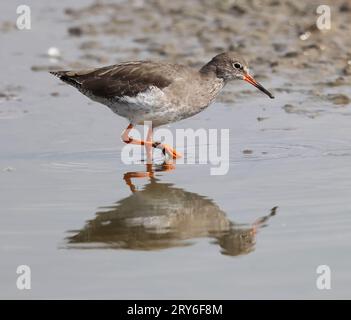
x=251 y=80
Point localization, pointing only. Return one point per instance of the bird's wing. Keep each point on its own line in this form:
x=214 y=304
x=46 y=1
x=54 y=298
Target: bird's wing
x=124 y=79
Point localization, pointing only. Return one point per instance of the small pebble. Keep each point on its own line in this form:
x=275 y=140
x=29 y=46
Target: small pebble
x=54 y=52
x=289 y=108
x=75 y=31
x=339 y=99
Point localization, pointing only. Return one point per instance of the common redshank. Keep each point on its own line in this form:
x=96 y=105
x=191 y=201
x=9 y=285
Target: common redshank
x=158 y=92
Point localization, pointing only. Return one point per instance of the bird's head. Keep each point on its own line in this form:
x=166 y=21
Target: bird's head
x=229 y=66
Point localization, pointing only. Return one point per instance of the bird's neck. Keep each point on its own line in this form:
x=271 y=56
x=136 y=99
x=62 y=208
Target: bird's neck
x=210 y=84
x=209 y=69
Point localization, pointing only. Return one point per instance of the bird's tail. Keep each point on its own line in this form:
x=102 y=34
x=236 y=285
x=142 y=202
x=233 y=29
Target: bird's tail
x=67 y=76
x=58 y=74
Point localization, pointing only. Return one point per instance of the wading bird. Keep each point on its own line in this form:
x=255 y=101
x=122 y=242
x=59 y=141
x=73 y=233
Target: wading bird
x=158 y=92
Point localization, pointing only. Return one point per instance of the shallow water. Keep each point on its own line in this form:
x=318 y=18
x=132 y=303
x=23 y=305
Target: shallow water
x=70 y=212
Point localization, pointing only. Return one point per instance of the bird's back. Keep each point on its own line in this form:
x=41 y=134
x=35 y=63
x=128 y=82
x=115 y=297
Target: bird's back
x=124 y=79
x=145 y=90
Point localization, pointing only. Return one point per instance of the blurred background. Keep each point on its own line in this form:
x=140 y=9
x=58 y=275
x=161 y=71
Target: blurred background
x=62 y=183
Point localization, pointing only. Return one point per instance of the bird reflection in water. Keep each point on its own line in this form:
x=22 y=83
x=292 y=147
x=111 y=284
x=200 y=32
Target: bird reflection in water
x=163 y=216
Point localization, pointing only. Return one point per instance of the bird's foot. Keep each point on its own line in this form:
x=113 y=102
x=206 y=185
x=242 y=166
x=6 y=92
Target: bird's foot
x=170 y=152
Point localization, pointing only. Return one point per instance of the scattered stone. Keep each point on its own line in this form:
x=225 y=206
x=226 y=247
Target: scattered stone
x=345 y=7
x=289 y=108
x=7 y=26
x=238 y=10
x=347 y=69
x=54 y=52
x=279 y=47
x=340 y=81
x=262 y=118
x=247 y=151
x=291 y=54
x=304 y=36
x=274 y=64
x=339 y=99
x=8 y=94
x=75 y=31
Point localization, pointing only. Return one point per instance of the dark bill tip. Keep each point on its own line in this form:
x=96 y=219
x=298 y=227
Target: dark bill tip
x=252 y=81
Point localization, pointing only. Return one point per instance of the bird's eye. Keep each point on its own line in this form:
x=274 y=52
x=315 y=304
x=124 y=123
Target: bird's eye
x=237 y=65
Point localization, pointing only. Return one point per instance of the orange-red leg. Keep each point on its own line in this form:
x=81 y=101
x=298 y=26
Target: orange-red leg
x=166 y=149
x=129 y=175
x=149 y=173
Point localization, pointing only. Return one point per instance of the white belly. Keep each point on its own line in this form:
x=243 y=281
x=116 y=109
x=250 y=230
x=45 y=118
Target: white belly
x=151 y=105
